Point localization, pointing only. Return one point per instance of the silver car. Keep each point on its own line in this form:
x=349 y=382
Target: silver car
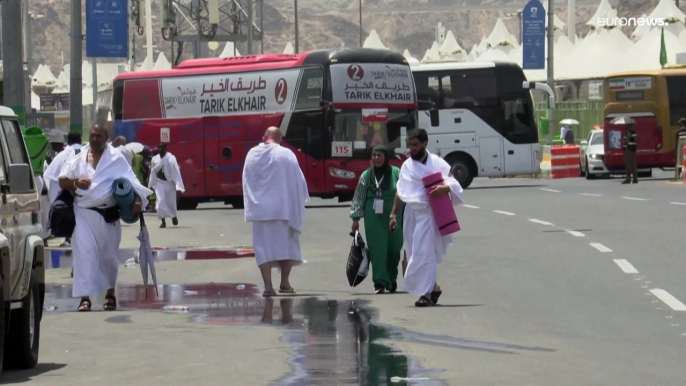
x=591 y=155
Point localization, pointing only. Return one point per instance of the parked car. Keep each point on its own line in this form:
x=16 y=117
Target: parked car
x=22 y=272
x=591 y=153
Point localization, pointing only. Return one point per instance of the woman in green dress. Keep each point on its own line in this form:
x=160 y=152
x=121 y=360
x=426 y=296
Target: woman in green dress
x=373 y=201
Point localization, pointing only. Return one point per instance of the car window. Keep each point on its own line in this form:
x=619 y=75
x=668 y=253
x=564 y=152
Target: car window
x=15 y=142
x=597 y=139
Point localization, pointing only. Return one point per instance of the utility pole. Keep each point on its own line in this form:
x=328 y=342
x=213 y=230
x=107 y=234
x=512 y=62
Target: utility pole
x=551 y=76
x=571 y=20
x=75 y=79
x=25 y=20
x=361 y=42
x=251 y=19
x=13 y=80
x=262 y=25
x=297 y=28
x=94 y=68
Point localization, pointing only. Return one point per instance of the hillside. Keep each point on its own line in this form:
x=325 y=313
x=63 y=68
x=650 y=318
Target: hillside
x=401 y=24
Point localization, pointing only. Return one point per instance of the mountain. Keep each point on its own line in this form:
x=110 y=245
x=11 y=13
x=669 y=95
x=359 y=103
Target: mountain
x=400 y=24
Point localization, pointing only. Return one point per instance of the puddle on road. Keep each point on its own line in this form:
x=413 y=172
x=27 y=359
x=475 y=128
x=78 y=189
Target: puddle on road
x=334 y=342
x=62 y=258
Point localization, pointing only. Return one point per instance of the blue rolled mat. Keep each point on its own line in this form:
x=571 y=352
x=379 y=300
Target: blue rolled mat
x=124 y=195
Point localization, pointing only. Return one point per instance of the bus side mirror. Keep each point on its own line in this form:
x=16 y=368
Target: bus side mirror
x=433 y=115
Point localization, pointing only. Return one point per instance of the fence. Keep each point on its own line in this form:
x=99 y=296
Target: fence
x=588 y=113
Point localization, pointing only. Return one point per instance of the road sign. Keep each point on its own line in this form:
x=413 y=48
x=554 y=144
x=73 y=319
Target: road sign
x=533 y=36
x=107 y=28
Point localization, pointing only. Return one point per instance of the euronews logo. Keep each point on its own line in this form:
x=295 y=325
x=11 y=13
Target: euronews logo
x=632 y=22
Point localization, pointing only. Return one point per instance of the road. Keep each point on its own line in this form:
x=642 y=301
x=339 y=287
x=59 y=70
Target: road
x=563 y=282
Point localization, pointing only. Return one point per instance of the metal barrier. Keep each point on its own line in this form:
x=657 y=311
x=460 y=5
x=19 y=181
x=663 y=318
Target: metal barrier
x=679 y=167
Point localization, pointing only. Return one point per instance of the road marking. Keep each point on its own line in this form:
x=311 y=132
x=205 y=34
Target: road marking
x=505 y=213
x=626 y=266
x=575 y=233
x=600 y=247
x=635 y=199
x=678 y=203
x=590 y=194
x=540 y=222
x=668 y=299
x=551 y=190
x=470 y=206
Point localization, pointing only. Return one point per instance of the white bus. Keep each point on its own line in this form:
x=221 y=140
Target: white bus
x=486 y=119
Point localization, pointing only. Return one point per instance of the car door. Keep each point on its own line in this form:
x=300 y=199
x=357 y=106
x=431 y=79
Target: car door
x=19 y=213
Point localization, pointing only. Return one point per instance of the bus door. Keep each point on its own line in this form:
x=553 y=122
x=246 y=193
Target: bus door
x=317 y=140
x=235 y=137
x=213 y=174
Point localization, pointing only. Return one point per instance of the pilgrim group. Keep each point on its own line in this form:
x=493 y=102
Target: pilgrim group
x=391 y=201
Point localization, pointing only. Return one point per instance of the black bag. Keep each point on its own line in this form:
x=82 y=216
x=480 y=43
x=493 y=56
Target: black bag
x=358 y=261
x=111 y=214
x=62 y=218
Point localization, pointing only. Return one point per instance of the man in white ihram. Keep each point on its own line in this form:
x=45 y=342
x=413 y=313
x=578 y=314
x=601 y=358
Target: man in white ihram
x=51 y=175
x=275 y=192
x=97 y=235
x=423 y=241
x=165 y=179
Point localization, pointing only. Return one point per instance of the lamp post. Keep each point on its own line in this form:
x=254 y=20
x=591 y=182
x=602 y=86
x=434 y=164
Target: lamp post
x=297 y=37
x=361 y=43
x=27 y=16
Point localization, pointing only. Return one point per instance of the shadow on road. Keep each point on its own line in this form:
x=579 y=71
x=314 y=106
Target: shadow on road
x=507 y=187
x=21 y=376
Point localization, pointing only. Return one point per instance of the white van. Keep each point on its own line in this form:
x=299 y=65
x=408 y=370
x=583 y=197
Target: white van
x=22 y=272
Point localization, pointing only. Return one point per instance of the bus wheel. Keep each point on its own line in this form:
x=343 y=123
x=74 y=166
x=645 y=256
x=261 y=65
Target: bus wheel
x=187 y=204
x=462 y=168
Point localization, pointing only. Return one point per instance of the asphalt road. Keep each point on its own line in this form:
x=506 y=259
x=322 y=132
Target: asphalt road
x=565 y=282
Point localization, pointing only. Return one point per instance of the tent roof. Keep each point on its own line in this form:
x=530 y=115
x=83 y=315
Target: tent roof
x=289 y=49
x=666 y=9
x=501 y=36
x=373 y=41
x=162 y=63
x=227 y=52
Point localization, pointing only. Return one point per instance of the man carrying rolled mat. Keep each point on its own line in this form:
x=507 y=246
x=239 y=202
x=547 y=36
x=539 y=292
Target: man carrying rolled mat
x=423 y=241
x=97 y=235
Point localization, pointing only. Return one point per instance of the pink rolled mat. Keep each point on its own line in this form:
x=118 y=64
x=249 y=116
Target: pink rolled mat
x=442 y=207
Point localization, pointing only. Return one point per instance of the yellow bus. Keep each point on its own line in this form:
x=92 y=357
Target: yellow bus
x=656 y=100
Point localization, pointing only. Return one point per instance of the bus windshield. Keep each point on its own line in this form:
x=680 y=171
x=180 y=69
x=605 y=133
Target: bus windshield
x=369 y=128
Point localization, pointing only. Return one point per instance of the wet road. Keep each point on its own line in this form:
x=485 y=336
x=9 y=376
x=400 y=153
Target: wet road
x=561 y=282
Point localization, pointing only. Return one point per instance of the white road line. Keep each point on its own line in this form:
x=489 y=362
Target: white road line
x=470 y=206
x=668 y=299
x=600 y=247
x=505 y=213
x=540 y=221
x=626 y=266
x=635 y=199
x=551 y=190
x=590 y=194
x=678 y=203
x=575 y=233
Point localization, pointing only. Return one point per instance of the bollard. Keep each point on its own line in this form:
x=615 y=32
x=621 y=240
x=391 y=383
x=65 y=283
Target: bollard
x=558 y=162
x=683 y=167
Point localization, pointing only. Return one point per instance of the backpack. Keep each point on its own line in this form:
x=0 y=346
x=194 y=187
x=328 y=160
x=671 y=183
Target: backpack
x=62 y=218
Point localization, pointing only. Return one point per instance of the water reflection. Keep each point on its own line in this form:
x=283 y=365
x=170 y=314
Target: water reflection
x=62 y=258
x=334 y=342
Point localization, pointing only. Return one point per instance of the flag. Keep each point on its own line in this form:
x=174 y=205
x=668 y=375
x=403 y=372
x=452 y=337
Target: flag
x=663 y=50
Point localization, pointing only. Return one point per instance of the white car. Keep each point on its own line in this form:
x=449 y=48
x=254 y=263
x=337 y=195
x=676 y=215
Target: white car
x=591 y=155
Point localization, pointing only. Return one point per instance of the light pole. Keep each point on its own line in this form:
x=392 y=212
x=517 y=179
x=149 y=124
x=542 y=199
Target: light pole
x=361 y=43
x=551 y=73
x=297 y=27
x=27 y=16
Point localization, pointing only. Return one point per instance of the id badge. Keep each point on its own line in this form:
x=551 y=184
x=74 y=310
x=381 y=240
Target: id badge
x=378 y=206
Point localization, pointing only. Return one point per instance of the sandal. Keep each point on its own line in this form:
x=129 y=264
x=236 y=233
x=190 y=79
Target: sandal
x=423 y=302
x=85 y=305
x=287 y=290
x=268 y=294
x=110 y=303
x=435 y=295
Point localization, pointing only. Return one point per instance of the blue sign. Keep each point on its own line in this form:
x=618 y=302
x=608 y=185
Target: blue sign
x=533 y=36
x=107 y=29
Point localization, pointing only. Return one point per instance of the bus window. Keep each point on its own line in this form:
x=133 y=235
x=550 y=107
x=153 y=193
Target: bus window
x=676 y=93
x=427 y=87
x=476 y=87
x=517 y=120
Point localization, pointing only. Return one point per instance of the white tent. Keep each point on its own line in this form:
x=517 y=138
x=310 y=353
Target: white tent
x=602 y=52
x=35 y=101
x=43 y=77
x=409 y=57
x=146 y=65
x=289 y=49
x=667 y=10
x=645 y=54
x=501 y=36
x=162 y=63
x=640 y=30
x=604 y=12
x=451 y=50
x=228 y=51
x=373 y=41
x=432 y=54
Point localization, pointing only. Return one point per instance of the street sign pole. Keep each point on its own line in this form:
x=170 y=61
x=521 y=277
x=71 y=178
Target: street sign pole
x=551 y=76
x=533 y=42
x=75 y=78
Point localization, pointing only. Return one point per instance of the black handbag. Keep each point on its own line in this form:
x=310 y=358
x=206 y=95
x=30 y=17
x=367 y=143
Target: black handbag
x=62 y=218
